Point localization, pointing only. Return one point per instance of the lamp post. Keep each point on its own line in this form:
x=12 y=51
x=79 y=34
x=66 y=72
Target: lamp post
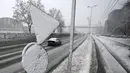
x=89 y=24
x=90 y=19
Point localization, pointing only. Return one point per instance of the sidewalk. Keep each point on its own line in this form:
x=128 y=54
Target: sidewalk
x=81 y=60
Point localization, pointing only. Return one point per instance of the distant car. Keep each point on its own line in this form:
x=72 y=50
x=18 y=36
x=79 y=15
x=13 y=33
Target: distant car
x=54 y=42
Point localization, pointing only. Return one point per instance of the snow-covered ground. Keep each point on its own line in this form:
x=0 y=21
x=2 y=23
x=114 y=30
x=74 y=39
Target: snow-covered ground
x=12 y=68
x=122 y=40
x=81 y=60
x=120 y=51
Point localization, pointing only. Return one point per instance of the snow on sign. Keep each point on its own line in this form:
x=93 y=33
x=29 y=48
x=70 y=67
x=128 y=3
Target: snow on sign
x=44 y=24
x=34 y=58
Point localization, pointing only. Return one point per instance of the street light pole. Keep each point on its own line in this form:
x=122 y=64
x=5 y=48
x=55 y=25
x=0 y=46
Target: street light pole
x=71 y=35
x=89 y=23
x=90 y=20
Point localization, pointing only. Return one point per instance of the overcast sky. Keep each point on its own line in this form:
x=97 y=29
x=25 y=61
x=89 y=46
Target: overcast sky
x=82 y=12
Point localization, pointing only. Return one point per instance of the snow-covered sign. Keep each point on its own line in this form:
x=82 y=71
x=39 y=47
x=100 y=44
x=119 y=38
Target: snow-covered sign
x=44 y=24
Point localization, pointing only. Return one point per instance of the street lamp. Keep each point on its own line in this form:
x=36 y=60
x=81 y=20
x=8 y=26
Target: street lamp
x=90 y=19
x=89 y=23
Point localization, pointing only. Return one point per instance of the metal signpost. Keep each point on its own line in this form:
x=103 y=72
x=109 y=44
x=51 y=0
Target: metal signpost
x=34 y=55
x=71 y=35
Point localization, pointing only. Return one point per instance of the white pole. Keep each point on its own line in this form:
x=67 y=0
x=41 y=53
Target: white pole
x=91 y=7
x=89 y=24
x=90 y=20
x=71 y=35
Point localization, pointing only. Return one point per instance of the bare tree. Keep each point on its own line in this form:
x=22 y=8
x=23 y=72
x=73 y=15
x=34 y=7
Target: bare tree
x=58 y=16
x=127 y=4
x=22 y=13
x=53 y=12
x=126 y=11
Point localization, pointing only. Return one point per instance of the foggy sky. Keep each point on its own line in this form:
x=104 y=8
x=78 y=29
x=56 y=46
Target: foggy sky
x=82 y=12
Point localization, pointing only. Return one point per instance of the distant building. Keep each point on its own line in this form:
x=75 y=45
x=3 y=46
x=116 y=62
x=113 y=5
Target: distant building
x=10 y=25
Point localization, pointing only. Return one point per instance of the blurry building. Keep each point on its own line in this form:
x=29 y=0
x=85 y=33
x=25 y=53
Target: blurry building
x=10 y=25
